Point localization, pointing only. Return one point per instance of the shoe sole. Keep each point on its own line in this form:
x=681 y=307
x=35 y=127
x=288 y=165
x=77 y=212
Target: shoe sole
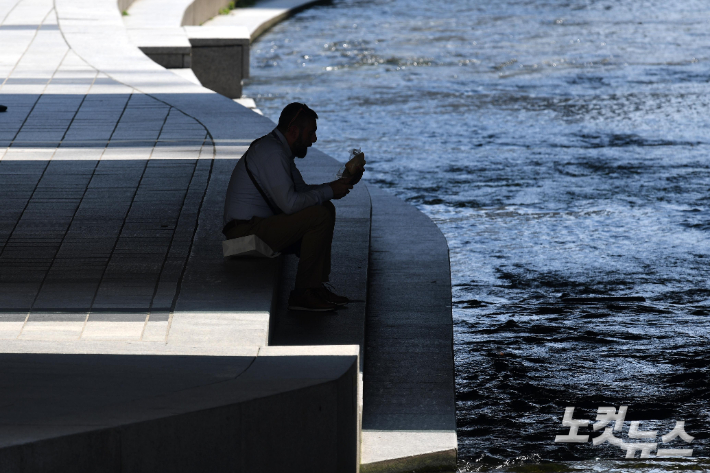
x=310 y=309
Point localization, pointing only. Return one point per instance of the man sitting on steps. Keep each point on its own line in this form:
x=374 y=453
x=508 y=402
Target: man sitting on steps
x=268 y=197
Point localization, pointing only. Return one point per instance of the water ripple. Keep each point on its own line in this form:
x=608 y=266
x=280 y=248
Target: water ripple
x=562 y=148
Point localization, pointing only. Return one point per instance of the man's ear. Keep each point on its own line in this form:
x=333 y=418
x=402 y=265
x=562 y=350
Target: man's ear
x=292 y=134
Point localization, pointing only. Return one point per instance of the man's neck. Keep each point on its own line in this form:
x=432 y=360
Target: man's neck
x=284 y=140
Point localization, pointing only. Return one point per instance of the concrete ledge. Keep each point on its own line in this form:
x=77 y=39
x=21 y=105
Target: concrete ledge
x=218 y=56
x=179 y=414
x=168 y=47
x=261 y=17
x=218 y=51
x=391 y=452
x=220 y=300
x=201 y=36
x=199 y=11
x=409 y=417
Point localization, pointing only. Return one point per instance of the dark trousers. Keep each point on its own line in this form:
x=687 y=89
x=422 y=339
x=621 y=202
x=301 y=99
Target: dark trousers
x=312 y=227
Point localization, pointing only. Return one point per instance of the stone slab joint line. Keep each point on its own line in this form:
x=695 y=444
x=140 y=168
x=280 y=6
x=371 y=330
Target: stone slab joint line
x=22 y=125
x=14 y=67
x=17 y=2
x=192 y=240
x=167 y=253
x=2 y=250
x=35 y=189
x=29 y=44
x=78 y=109
x=112 y=77
x=133 y=92
x=123 y=224
x=98 y=286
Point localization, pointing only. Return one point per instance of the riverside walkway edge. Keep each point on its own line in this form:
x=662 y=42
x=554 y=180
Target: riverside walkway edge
x=409 y=416
x=114 y=172
x=186 y=140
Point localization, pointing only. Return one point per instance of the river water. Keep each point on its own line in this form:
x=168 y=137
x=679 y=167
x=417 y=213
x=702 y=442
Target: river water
x=563 y=148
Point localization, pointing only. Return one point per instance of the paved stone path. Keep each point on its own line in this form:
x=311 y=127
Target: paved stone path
x=110 y=234
x=409 y=416
x=101 y=188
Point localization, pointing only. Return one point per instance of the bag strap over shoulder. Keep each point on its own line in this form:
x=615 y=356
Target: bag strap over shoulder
x=273 y=207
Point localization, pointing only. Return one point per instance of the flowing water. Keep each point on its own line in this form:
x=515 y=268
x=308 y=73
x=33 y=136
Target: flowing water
x=562 y=146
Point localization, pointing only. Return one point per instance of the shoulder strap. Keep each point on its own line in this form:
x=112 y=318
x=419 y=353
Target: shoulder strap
x=273 y=208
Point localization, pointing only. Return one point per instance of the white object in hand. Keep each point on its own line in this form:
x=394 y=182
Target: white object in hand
x=357 y=159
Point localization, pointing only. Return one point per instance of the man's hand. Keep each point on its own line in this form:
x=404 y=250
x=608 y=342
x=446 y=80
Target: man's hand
x=357 y=174
x=341 y=187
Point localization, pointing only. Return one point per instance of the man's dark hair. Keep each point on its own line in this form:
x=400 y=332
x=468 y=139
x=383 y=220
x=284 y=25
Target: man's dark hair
x=296 y=114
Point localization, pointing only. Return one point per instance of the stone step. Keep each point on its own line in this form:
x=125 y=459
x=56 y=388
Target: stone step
x=409 y=416
x=350 y=250
x=206 y=306
x=139 y=413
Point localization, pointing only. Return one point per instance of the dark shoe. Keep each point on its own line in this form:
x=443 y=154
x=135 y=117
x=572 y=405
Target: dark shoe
x=326 y=294
x=307 y=299
x=3 y=108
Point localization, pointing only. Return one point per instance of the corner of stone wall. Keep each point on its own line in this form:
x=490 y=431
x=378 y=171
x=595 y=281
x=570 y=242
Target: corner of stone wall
x=200 y=11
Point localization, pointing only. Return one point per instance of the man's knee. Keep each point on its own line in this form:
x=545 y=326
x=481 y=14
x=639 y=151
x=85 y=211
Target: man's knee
x=326 y=213
x=331 y=208
x=319 y=215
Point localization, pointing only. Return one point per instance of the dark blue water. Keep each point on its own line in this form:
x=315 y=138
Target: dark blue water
x=563 y=147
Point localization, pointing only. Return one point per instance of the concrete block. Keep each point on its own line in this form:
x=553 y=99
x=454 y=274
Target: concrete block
x=220 y=58
x=169 y=58
x=181 y=414
x=393 y=452
x=198 y=12
x=219 y=69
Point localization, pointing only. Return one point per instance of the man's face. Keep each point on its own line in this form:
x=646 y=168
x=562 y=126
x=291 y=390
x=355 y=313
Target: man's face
x=305 y=140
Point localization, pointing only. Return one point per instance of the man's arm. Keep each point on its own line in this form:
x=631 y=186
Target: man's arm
x=340 y=187
x=279 y=183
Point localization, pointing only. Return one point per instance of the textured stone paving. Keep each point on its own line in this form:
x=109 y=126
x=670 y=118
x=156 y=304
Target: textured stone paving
x=101 y=188
x=409 y=416
x=110 y=233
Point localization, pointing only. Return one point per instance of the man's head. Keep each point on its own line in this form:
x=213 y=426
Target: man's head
x=298 y=124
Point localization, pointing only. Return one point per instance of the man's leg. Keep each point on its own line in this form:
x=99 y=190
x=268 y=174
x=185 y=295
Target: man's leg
x=323 y=292
x=326 y=269
x=313 y=226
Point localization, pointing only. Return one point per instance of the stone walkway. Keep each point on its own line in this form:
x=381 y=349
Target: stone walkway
x=113 y=173
x=101 y=187
x=112 y=176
